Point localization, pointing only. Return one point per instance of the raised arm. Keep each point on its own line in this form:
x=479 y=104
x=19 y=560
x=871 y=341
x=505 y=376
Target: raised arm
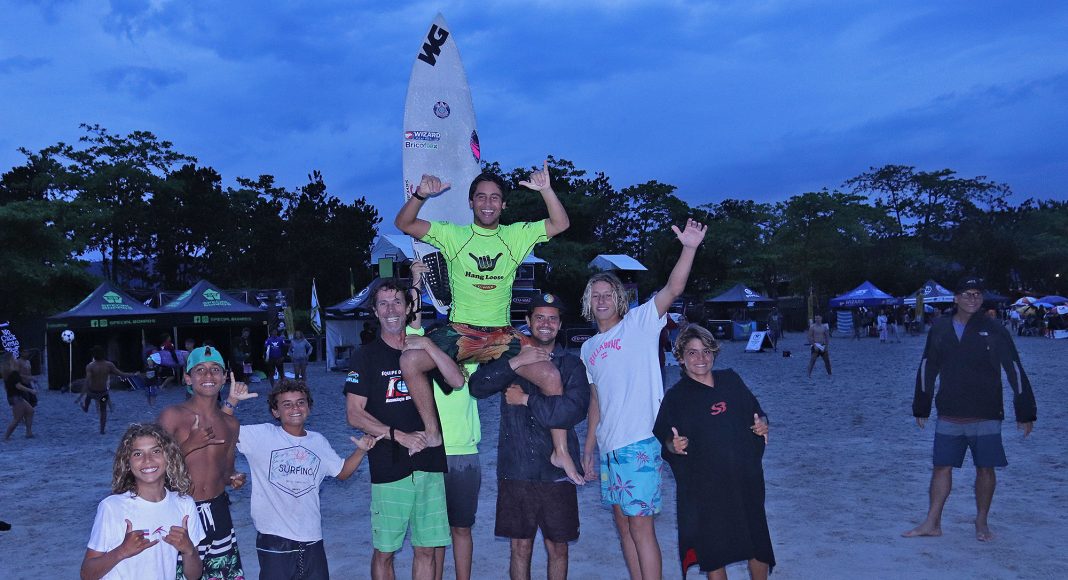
x=540 y=182
x=407 y=219
x=690 y=238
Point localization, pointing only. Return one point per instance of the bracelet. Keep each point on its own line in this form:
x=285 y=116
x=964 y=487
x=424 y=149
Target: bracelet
x=416 y=195
x=229 y=405
x=392 y=436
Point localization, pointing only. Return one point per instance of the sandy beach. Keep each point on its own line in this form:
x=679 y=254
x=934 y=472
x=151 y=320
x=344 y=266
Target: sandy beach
x=847 y=471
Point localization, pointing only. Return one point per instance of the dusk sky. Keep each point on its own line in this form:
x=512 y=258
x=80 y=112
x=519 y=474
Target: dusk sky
x=756 y=99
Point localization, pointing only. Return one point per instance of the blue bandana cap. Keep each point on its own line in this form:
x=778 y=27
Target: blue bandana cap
x=204 y=354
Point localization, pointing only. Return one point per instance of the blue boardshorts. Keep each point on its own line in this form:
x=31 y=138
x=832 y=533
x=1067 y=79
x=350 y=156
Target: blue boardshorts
x=952 y=440
x=630 y=478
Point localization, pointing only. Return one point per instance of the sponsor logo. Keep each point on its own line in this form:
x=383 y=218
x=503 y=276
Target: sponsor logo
x=485 y=286
x=580 y=338
x=521 y=300
x=422 y=136
x=214 y=298
x=113 y=302
x=353 y=377
x=294 y=470
x=441 y=109
x=432 y=47
x=718 y=408
x=601 y=352
x=476 y=150
x=98 y=323
x=396 y=390
x=486 y=263
x=419 y=145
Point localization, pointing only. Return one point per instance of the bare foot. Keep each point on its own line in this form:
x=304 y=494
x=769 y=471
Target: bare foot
x=923 y=530
x=983 y=533
x=562 y=459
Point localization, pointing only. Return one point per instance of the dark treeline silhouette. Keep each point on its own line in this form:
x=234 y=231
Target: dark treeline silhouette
x=136 y=202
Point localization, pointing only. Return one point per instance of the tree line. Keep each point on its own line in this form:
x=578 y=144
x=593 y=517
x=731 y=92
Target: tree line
x=154 y=214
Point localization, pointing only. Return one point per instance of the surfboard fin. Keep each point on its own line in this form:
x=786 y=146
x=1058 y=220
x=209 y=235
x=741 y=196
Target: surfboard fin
x=436 y=278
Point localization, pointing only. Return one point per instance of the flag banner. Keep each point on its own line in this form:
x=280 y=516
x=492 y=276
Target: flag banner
x=316 y=311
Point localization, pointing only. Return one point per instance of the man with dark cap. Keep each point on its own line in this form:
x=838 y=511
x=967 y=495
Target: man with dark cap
x=966 y=353
x=532 y=493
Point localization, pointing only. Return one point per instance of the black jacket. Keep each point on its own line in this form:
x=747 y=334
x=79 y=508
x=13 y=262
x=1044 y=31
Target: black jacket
x=969 y=372
x=524 y=445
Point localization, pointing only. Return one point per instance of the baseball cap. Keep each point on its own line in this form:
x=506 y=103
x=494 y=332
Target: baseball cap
x=546 y=299
x=204 y=354
x=969 y=283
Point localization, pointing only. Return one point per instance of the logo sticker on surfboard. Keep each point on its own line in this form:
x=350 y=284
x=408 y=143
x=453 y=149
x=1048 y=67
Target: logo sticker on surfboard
x=441 y=109
x=476 y=150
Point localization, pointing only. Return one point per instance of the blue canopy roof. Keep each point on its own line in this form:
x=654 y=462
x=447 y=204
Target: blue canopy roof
x=740 y=293
x=932 y=292
x=864 y=295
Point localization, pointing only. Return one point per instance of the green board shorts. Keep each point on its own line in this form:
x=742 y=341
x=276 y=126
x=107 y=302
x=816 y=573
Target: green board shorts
x=417 y=500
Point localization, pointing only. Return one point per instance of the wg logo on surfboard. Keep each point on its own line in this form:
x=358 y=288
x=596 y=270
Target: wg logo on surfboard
x=432 y=47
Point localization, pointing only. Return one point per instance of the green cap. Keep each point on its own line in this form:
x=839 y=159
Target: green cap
x=204 y=354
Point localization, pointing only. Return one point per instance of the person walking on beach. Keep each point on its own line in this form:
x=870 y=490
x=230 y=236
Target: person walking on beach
x=274 y=354
x=966 y=353
x=407 y=474
x=626 y=388
x=820 y=339
x=482 y=259
x=19 y=394
x=96 y=387
x=299 y=352
x=208 y=439
x=532 y=493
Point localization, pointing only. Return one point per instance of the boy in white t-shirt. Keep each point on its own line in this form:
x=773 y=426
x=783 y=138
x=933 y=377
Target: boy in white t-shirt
x=626 y=387
x=288 y=463
x=140 y=531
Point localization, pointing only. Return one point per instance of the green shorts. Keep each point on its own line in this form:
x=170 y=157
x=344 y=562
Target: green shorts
x=417 y=500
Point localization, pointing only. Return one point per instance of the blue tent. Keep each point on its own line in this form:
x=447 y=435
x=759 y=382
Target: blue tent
x=932 y=292
x=741 y=294
x=864 y=295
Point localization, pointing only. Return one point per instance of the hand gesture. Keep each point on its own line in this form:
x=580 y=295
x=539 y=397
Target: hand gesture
x=367 y=441
x=179 y=537
x=135 y=542
x=200 y=436
x=529 y=354
x=416 y=342
x=760 y=427
x=514 y=395
x=239 y=390
x=429 y=186
x=418 y=269
x=237 y=480
x=589 y=466
x=539 y=180
x=693 y=234
x=414 y=442
x=678 y=442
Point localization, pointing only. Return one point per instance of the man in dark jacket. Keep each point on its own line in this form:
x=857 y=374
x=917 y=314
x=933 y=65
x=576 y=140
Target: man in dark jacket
x=967 y=353
x=533 y=493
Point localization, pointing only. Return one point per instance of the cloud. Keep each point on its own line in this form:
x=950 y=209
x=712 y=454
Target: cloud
x=15 y=64
x=139 y=81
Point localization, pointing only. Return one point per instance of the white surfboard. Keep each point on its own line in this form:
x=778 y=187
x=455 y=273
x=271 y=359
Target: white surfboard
x=440 y=139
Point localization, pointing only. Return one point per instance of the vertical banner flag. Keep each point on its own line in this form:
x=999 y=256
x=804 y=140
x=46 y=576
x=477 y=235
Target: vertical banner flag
x=316 y=314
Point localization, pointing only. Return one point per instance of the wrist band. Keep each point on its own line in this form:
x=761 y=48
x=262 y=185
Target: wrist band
x=391 y=435
x=229 y=405
x=416 y=195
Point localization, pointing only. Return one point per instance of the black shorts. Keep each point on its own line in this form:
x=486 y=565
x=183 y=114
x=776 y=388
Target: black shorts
x=525 y=506
x=284 y=559
x=463 y=481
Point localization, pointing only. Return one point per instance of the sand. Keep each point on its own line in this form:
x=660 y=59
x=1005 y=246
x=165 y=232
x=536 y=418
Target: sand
x=847 y=471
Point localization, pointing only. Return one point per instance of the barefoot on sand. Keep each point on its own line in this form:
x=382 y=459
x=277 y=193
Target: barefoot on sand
x=922 y=531
x=983 y=533
x=563 y=460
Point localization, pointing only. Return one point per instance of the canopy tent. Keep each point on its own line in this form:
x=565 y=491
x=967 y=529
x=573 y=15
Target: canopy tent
x=206 y=304
x=107 y=317
x=742 y=294
x=344 y=321
x=932 y=292
x=617 y=262
x=864 y=295
x=1053 y=300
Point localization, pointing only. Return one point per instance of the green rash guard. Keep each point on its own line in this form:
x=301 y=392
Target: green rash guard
x=482 y=265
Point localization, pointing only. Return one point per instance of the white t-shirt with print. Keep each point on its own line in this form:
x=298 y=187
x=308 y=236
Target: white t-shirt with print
x=286 y=473
x=159 y=561
x=624 y=364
